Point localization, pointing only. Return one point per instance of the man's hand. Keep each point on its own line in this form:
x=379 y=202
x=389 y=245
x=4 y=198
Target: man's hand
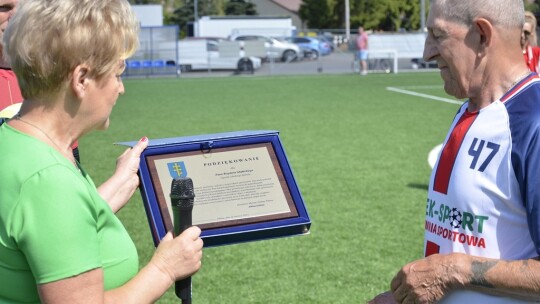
x=383 y=298
x=429 y=279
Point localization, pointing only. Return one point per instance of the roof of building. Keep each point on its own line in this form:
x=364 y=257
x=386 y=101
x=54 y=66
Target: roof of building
x=291 y=5
x=284 y=8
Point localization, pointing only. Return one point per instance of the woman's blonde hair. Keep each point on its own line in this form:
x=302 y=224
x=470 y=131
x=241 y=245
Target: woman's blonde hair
x=531 y=19
x=46 y=39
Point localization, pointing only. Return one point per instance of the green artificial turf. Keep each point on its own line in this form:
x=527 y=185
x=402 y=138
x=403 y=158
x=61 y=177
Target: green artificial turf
x=359 y=155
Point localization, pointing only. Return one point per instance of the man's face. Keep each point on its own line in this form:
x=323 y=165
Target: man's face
x=7 y=9
x=451 y=45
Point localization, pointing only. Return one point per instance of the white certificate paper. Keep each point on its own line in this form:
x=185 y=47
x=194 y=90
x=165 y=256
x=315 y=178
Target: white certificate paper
x=229 y=185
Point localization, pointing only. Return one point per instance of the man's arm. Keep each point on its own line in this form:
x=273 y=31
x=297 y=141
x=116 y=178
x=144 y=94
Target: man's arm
x=428 y=280
x=519 y=279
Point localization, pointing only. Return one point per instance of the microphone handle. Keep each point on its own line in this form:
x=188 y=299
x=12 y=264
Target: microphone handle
x=182 y=221
x=182 y=289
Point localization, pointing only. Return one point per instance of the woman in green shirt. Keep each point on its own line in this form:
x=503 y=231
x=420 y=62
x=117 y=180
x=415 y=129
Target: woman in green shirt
x=60 y=241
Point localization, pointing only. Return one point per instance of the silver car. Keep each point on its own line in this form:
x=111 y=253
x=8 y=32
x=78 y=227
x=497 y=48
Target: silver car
x=275 y=49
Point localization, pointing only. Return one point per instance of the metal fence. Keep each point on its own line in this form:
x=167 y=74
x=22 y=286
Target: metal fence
x=157 y=54
x=162 y=54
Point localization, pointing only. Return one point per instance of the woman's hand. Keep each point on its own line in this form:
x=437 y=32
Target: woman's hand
x=179 y=257
x=118 y=189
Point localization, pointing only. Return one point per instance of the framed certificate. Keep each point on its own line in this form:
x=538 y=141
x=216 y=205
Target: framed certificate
x=244 y=187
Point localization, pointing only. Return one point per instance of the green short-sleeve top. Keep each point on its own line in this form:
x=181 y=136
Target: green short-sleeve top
x=53 y=222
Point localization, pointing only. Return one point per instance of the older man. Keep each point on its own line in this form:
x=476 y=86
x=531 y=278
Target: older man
x=482 y=228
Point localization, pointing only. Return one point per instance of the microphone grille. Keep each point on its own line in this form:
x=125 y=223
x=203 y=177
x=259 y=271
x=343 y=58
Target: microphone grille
x=182 y=189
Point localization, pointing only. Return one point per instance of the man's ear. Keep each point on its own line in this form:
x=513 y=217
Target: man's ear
x=80 y=80
x=484 y=29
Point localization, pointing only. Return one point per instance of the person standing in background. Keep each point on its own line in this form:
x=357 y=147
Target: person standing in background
x=116 y=188
x=362 y=50
x=530 y=21
x=531 y=52
x=10 y=94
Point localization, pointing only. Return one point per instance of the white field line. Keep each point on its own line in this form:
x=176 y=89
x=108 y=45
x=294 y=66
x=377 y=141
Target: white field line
x=407 y=92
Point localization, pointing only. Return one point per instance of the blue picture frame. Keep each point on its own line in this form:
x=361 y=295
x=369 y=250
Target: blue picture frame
x=296 y=223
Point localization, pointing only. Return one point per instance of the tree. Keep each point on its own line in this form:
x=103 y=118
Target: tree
x=144 y=1
x=387 y=15
x=315 y=14
x=410 y=15
x=240 y=7
x=533 y=7
x=186 y=13
x=367 y=14
x=170 y=5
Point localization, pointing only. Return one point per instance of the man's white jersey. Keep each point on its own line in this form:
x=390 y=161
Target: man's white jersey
x=484 y=193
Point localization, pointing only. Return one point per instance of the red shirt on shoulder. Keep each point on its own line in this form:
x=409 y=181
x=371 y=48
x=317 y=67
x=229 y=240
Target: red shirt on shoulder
x=11 y=94
x=532 y=58
x=9 y=89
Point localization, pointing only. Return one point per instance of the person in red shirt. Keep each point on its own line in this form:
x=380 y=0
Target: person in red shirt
x=10 y=94
x=531 y=52
x=118 y=188
x=362 y=50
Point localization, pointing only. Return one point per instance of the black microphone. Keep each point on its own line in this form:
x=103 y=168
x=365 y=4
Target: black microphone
x=182 y=206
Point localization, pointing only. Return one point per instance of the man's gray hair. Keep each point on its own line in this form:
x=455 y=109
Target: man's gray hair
x=505 y=13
